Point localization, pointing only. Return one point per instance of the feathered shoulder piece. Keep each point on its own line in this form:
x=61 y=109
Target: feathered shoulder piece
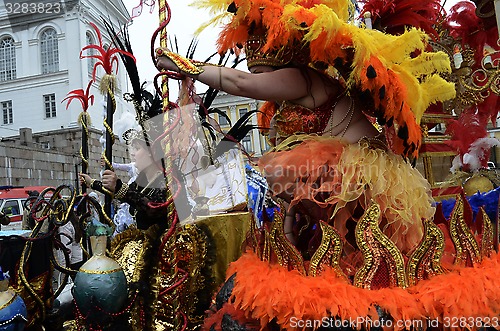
x=395 y=71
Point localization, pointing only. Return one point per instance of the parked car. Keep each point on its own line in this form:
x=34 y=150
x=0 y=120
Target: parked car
x=12 y=201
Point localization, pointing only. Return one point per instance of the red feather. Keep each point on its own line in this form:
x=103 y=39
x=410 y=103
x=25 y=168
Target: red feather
x=83 y=96
x=465 y=131
x=105 y=57
x=393 y=16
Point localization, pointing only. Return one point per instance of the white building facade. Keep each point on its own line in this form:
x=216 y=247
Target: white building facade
x=40 y=44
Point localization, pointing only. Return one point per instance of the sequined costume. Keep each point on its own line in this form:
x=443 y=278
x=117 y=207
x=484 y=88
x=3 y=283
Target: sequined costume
x=131 y=247
x=370 y=245
x=139 y=196
x=343 y=178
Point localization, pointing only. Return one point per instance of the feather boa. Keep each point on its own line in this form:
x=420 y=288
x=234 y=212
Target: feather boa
x=268 y=292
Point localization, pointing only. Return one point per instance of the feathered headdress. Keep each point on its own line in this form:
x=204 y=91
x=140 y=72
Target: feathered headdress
x=396 y=72
x=394 y=16
x=469 y=139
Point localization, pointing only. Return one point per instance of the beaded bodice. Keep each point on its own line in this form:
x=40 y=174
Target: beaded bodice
x=293 y=118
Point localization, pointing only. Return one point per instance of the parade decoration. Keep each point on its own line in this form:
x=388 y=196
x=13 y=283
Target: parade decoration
x=100 y=287
x=86 y=100
x=13 y=313
x=34 y=275
x=468 y=35
x=106 y=58
x=169 y=274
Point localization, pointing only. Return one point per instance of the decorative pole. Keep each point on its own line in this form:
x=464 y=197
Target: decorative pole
x=109 y=86
x=172 y=276
x=84 y=119
x=106 y=58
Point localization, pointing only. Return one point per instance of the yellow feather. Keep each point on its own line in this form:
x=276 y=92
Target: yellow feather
x=401 y=46
x=438 y=89
x=428 y=63
x=218 y=11
x=326 y=20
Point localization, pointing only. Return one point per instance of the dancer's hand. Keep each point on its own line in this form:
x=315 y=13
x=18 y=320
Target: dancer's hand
x=85 y=179
x=164 y=63
x=109 y=179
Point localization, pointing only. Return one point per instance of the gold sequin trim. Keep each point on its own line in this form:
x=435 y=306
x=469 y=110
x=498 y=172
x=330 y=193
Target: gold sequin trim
x=328 y=253
x=11 y=300
x=488 y=233
x=426 y=259
x=466 y=246
x=100 y=272
x=286 y=253
x=377 y=248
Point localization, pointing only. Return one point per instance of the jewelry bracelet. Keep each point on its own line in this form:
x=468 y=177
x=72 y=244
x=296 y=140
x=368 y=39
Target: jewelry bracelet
x=184 y=64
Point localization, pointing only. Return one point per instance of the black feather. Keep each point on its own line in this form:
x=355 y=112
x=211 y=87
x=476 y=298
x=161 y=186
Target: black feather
x=232 y=8
x=403 y=132
x=370 y=72
x=123 y=42
x=237 y=132
x=381 y=92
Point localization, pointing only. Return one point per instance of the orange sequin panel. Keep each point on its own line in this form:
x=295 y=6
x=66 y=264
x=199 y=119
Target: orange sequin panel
x=293 y=119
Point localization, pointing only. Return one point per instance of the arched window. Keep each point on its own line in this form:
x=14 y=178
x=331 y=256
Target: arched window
x=90 y=61
x=49 y=51
x=7 y=59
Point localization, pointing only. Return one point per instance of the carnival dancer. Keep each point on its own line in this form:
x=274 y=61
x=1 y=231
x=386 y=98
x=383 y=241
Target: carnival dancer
x=329 y=136
x=333 y=160
x=359 y=205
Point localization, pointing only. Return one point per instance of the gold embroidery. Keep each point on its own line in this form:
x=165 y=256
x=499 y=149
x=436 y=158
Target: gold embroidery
x=35 y=295
x=328 y=253
x=467 y=249
x=377 y=248
x=11 y=300
x=191 y=247
x=100 y=272
x=130 y=249
x=488 y=233
x=426 y=259
x=266 y=249
x=185 y=65
x=286 y=253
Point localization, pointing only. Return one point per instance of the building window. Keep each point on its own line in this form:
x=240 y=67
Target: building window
x=243 y=111
x=49 y=51
x=247 y=143
x=8 y=117
x=90 y=51
x=49 y=102
x=7 y=59
x=223 y=121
